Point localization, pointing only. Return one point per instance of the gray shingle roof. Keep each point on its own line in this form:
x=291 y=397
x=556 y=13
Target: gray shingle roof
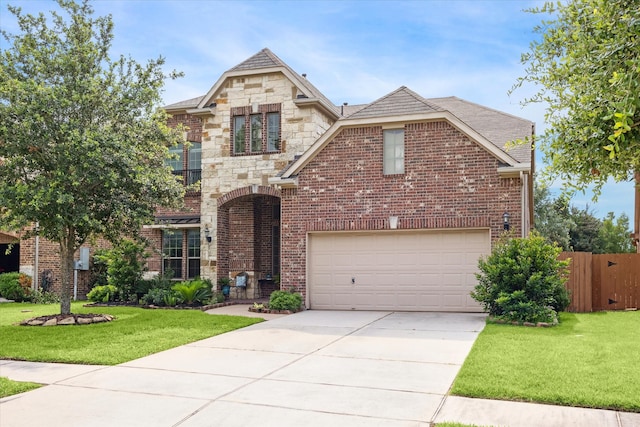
x=401 y=101
x=188 y=103
x=267 y=59
x=496 y=126
x=263 y=59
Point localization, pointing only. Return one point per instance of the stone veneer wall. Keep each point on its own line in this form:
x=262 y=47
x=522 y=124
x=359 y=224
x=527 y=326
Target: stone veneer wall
x=449 y=182
x=223 y=172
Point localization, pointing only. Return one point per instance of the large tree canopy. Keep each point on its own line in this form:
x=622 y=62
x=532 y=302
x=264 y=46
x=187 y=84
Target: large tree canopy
x=82 y=141
x=586 y=69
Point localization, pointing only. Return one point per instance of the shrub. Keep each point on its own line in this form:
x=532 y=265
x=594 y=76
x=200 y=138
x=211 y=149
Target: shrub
x=193 y=292
x=15 y=286
x=156 y=296
x=104 y=293
x=125 y=265
x=522 y=280
x=44 y=297
x=283 y=300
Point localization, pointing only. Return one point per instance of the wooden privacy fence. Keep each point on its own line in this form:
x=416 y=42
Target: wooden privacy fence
x=603 y=282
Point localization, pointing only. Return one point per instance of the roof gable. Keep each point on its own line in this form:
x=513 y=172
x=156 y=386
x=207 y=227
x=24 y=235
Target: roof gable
x=400 y=101
x=263 y=59
x=264 y=62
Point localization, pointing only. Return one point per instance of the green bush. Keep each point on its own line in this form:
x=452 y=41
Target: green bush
x=283 y=300
x=523 y=280
x=104 y=293
x=15 y=286
x=156 y=296
x=125 y=265
x=44 y=297
x=193 y=292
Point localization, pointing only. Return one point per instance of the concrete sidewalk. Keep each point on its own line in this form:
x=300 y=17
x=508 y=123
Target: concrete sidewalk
x=314 y=368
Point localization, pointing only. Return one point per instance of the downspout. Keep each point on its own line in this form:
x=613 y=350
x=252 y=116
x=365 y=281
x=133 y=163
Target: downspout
x=636 y=216
x=524 y=208
x=36 y=276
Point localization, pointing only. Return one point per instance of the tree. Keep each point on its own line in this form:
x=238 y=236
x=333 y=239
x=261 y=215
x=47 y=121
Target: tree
x=615 y=235
x=585 y=231
x=586 y=66
x=551 y=217
x=82 y=141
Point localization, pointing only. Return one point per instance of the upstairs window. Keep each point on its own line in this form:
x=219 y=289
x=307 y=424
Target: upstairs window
x=393 y=161
x=256 y=129
x=186 y=162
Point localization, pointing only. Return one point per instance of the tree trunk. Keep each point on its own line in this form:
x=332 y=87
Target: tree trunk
x=636 y=220
x=66 y=272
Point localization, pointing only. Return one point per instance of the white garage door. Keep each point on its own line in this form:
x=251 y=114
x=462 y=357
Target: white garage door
x=395 y=270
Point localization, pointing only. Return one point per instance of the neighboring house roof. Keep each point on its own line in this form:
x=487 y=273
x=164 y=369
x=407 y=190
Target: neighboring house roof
x=189 y=103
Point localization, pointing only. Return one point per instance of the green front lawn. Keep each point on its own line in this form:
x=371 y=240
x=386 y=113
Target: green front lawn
x=589 y=360
x=9 y=387
x=135 y=333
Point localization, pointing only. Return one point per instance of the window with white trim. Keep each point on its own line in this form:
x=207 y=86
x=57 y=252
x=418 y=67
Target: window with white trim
x=393 y=147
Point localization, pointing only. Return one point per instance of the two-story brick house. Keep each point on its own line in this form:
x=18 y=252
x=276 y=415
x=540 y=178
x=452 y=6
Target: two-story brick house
x=380 y=206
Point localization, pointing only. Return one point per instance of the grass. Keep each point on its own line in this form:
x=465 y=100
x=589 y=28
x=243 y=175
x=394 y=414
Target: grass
x=9 y=387
x=135 y=333
x=589 y=360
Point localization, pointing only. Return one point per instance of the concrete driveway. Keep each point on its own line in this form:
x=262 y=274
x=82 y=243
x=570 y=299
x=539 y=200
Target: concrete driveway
x=315 y=368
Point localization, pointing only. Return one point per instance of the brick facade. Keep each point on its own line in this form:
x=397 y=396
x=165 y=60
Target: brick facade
x=450 y=182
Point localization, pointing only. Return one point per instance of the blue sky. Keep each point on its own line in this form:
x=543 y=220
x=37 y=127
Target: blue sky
x=353 y=51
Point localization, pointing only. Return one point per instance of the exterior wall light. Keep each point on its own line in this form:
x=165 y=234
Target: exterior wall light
x=207 y=234
x=505 y=220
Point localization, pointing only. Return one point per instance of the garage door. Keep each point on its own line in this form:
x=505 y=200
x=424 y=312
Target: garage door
x=395 y=270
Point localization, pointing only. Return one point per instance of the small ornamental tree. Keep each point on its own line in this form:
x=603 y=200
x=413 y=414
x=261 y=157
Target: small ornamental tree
x=523 y=280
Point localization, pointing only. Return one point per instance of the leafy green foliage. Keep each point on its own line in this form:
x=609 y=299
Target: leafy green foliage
x=44 y=297
x=579 y=230
x=84 y=141
x=125 y=262
x=551 y=216
x=586 y=69
x=284 y=300
x=193 y=292
x=614 y=235
x=14 y=287
x=157 y=296
x=106 y=293
x=522 y=280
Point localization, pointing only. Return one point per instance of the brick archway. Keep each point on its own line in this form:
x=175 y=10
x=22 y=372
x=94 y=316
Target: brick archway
x=248 y=237
x=254 y=189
